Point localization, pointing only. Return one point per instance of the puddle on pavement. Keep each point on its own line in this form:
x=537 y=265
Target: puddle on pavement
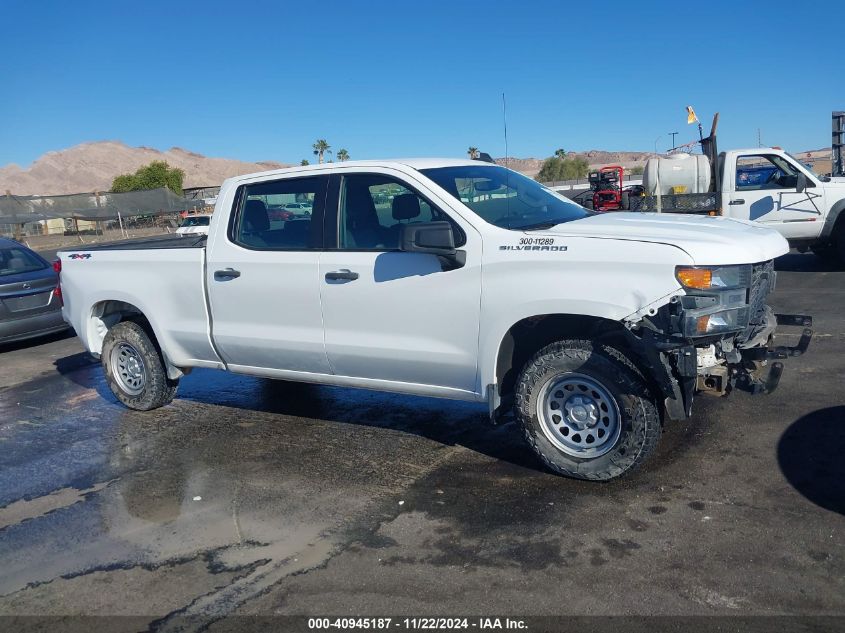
x=249 y=475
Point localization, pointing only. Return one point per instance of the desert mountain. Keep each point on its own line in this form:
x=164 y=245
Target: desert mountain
x=93 y=166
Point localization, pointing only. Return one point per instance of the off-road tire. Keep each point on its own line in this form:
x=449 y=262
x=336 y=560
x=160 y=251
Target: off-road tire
x=158 y=390
x=638 y=408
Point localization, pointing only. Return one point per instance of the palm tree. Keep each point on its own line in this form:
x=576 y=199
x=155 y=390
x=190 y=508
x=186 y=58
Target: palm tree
x=304 y=162
x=320 y=148
x=560 y=153
x=342 y=155
x=472 y=152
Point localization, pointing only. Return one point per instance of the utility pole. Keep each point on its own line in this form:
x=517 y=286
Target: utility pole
x=674 y=134
x=759 y=141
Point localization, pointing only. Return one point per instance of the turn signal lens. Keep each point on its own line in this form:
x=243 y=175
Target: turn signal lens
x=700 y=278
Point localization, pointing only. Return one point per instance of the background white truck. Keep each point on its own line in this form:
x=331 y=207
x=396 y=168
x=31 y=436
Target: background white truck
x=765 y=184
x=449 y=278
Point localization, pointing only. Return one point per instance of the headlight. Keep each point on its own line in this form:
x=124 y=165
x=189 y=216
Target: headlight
x=716 y=322
x=714 y=277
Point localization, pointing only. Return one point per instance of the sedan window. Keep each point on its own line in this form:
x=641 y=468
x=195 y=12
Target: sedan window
x=16 y=260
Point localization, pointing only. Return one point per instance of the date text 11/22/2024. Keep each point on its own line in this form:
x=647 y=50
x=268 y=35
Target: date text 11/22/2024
x=423 y=623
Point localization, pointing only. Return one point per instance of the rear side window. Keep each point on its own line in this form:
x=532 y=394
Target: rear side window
x=16 y=260
x=277 y=215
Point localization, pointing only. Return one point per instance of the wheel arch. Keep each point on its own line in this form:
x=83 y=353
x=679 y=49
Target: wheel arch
x=107 y=313
x=531 y=334
x=835 y=218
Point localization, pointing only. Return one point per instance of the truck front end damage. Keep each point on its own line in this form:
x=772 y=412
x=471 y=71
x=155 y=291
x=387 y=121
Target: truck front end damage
x=718 y=335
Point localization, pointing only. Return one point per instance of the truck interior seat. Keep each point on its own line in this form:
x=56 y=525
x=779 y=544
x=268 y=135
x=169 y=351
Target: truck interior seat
x=362 y=225
x=405 y=206
x=255 y=223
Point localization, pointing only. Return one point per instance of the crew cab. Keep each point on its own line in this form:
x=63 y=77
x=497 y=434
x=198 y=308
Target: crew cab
x=450 y=278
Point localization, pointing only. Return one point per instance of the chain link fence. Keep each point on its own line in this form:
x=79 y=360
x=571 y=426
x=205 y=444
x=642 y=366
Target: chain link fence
x=46 y=221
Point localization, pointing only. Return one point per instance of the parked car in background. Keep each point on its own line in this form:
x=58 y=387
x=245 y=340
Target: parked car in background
x=30 y=299
x=279 y=214
x=194 y=225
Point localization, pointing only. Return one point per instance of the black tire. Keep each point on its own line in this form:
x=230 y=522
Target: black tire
x=637 y=421
x=826 y=253
x=155 y=389
x=838 y=242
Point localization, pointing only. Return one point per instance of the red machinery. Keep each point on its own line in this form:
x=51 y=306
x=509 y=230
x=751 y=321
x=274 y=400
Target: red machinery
x=606 y=184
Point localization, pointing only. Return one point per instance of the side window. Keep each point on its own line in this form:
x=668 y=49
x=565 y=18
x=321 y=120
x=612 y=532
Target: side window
x=373 y=208
x=765 y=171
x=276 y=215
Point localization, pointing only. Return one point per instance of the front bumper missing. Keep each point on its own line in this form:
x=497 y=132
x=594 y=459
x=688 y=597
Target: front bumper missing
x=754 y=359
x=676 y=372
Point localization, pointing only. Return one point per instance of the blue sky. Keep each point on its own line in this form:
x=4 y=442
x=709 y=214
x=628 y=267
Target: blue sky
x=263 y=81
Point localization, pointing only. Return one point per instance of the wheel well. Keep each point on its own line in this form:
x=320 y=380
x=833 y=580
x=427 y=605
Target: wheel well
x=528 y=336
x=106 y=314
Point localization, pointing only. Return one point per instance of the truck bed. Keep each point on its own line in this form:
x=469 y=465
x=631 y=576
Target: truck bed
x=162 y=278
x=696 y=203
x=144 y=243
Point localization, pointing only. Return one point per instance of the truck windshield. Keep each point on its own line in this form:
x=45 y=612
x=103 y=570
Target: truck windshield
x=505 y=198
x=805 y=164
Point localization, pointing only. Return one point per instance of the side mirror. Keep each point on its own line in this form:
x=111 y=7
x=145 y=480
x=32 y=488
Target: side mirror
x=800 y=183
x=434 y=238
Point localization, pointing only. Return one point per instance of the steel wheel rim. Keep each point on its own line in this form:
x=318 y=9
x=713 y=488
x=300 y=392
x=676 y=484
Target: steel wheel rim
x=579 y=415
x=128 y=369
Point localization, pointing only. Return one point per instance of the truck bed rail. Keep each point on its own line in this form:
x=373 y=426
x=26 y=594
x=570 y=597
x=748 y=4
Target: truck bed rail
x=697 y=203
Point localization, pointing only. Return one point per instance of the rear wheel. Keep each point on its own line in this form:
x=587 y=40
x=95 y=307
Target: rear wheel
x=134 y=368
x=586 y=411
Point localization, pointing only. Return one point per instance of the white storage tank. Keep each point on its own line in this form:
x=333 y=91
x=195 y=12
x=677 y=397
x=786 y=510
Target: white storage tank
x=677 y=174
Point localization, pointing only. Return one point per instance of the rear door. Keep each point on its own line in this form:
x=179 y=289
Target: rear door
x=764 y=190
x=262 y=278
x=391 y=315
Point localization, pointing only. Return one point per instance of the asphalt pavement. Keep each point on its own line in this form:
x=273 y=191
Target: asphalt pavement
x=253 y=497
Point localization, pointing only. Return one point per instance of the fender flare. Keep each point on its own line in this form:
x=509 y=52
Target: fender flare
x=832 y=218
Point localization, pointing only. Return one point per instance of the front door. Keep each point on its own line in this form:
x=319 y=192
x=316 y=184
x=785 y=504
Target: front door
x=765 y=192
x=391 y=315
x=262 y=277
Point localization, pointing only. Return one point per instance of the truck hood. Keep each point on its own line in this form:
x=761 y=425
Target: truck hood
x=708 y=240
x=836 y=183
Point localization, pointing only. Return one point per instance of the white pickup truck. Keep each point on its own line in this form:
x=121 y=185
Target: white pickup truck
x=450 y=278
x=766 y=185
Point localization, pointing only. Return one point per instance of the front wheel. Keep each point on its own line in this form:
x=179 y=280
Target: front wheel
x=134 y=369
x=586 y=411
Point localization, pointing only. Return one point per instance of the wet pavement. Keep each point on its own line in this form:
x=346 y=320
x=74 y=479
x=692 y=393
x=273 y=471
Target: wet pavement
x=250 y=496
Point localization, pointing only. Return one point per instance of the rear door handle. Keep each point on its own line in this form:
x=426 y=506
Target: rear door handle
x=344 y=273
x=737 y=201
x=226 y=273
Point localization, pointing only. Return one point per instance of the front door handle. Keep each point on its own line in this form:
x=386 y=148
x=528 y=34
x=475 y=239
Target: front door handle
x=344 y=273
x=737 y=201
x=226 y=273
